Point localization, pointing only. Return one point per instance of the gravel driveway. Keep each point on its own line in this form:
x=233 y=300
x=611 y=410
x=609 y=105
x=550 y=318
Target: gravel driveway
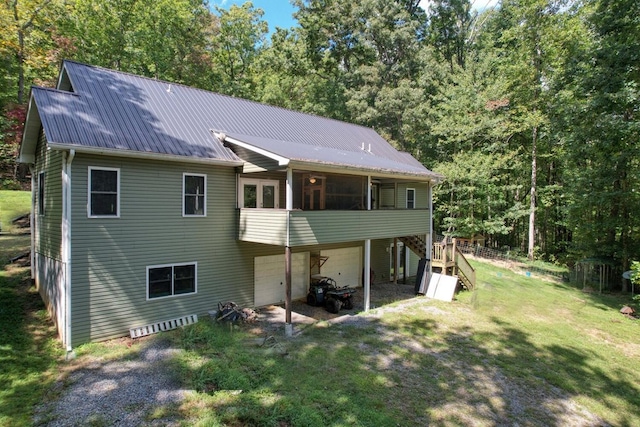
x=127 y=391
x=115 y=393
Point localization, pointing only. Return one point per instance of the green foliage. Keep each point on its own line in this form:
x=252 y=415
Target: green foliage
x=635 y=272
x=480 y=203
x=551 y=86
x=241 y=35
x=603 y=135
x=28 y=358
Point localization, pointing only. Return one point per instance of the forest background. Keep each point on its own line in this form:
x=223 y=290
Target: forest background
x=530 y=109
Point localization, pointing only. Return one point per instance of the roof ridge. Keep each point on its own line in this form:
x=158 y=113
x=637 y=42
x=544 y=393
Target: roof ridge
x=235 y=98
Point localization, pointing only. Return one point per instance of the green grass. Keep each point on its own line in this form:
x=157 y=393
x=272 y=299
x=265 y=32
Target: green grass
x=12 y=205
x=29 y=350
x=519 y=350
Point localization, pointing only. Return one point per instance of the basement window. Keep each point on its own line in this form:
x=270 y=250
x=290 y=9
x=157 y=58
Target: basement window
x=171 y=280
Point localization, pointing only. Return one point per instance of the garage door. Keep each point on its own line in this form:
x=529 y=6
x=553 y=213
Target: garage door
x=269 y=278
x=344 y=265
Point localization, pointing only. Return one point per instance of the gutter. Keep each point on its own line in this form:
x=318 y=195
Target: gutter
x=378 y=173
x=142 y=155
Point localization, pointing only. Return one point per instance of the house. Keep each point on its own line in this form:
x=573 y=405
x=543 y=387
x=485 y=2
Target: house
x=153 y=200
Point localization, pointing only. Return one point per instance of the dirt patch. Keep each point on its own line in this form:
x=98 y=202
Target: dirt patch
x=271 y=319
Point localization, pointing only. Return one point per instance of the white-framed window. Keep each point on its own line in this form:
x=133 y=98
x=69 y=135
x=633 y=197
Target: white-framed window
x=411 y=198
x=171 y=280
x=41 y=203
x=194 y=194
x=258 y=193
x=104 y=192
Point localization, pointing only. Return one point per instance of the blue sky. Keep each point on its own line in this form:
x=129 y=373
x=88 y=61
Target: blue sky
x=278 y=13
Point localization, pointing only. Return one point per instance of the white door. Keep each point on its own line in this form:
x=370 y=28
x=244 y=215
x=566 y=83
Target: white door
x=344 y=266
x=269 y=278
x=254 y=193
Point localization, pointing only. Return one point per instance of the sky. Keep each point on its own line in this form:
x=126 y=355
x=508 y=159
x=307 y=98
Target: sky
x=279 y=13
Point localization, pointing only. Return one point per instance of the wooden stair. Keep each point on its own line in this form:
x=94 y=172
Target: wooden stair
x=444 y=255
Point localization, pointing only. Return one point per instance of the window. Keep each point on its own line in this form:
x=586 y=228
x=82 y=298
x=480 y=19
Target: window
x=411 y=198
x=194 y=191
x=104 y=192
x=171 y=280
x=255 y=193
x=41 y=193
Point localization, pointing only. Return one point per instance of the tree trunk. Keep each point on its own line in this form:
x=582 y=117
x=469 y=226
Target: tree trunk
x=532 y=205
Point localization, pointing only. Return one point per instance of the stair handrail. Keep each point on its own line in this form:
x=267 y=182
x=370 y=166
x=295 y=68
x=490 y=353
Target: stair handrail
x=464 y=268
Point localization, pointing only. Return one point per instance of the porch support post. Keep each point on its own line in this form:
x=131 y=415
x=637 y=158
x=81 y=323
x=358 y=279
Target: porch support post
x=287 y=300
x=288 y=326
x=367 y=257
x=394 y=252
x=429 y=251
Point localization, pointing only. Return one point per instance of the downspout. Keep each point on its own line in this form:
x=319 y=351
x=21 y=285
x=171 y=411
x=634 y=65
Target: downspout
x=288 y=326
x=367 y=256
x=66 y=242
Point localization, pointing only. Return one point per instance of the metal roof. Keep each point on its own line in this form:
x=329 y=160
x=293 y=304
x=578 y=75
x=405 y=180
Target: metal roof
x=112 y=110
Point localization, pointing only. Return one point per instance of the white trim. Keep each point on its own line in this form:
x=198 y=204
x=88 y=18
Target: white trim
x=282 y=161
x=173 y=295
x=204 y=208
x=288 y=203
x=66 y=241
x=101 y=168
x=365 y=171
x=406 y=200
x=33 y=223
x=259 y=183
x=117 y=152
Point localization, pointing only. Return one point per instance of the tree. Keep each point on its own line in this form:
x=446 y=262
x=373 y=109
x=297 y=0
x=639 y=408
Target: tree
x=527 y=38
x=481 y=202
x=603 y=134
x=161 y=39
x=236 y=46
x=449 y=29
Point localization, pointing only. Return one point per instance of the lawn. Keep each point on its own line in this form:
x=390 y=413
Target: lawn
x=519 y=350
x=12 y=205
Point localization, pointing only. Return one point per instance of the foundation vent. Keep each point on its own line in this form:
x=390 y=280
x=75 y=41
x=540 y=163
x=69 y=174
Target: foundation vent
x=165 y=325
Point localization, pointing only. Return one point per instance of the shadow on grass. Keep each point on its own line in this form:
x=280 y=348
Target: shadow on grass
x=409 y=367
x=28 y=349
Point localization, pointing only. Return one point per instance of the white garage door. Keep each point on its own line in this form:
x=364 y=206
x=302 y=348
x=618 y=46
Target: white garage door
x=269 y=278
x=344 y=266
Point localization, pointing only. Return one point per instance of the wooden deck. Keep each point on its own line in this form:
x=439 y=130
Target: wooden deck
x=446 y=256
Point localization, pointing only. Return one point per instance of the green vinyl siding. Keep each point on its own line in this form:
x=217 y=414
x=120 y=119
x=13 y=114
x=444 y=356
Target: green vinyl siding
x=255 y=162
x=110 y=255
x=321 y=227
x=421 y=195
x=48 y=227
x=326 y=227
x=380 y=259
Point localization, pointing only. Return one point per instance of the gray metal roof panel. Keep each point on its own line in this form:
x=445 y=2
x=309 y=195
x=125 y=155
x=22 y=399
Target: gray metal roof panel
x=361 y=159
x=116 y=110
